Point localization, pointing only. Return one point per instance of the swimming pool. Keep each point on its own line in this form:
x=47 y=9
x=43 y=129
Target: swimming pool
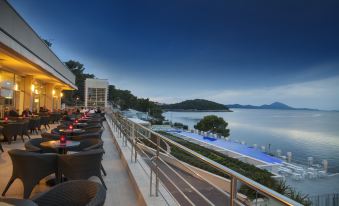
x=232 y=146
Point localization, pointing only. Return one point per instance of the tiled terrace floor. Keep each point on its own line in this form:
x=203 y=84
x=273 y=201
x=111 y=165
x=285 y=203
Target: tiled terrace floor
x=119 y=188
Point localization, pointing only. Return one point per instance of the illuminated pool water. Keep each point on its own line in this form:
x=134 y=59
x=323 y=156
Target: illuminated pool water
x=232 y=146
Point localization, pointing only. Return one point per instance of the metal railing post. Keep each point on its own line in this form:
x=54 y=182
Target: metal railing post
x=150 y=184
x=132 y=142
x=135 y=147
x=233 y=194
x=157 y=167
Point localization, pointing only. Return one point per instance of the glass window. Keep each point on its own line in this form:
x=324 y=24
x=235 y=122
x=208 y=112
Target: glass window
x=96 y=97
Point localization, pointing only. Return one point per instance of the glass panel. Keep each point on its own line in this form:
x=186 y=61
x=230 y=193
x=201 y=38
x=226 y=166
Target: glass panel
x=96 y=97
x=6 y=91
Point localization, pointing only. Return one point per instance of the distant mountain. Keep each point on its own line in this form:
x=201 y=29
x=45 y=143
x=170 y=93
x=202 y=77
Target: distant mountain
x=195 y=105
x=275 y=105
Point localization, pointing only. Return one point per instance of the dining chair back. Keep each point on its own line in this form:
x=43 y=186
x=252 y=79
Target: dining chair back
x=30 y=168
x=82 y=165
x=75 y=192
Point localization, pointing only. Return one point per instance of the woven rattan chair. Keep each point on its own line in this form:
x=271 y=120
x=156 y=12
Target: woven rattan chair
x=11 y=130
x=90 y=144
x=92 y=125
x=76 y=192
x=44 y=121
x=95 y=130
x=82 y=165
x=2 y=150
x=30 y=168
x=96 y=135
x=25 y=129
x=34 y=125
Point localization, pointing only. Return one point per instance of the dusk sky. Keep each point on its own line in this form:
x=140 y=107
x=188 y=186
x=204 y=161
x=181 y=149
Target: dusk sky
x=247 y=52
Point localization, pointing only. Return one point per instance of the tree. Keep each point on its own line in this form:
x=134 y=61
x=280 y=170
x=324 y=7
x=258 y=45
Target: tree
x=126 y=100
x=78 y=70
x=48 y=43
x=213 y=124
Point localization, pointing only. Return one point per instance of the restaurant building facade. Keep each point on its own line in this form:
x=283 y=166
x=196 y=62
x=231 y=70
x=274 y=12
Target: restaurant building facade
x=31 y=75
x=96 y=93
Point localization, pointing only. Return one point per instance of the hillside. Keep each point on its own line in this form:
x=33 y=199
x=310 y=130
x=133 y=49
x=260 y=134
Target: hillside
x=275 y=105
x=196 y=105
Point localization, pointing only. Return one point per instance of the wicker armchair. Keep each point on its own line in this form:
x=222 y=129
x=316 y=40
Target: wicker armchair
x=86 y=136
x=25 y=129
x=11 y=130
x=95 y=131
x=30 y=168
x=44 y=121
x=82 y=165
x=2 y=150
x=76 y=192
x=89 y=144
x=34 y=125
x=88 y=126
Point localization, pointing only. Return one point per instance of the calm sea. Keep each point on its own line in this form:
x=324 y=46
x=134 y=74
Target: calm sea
x=304 y=133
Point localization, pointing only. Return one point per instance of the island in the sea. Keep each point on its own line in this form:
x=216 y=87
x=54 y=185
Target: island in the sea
x=274 y=105
x=196 y=105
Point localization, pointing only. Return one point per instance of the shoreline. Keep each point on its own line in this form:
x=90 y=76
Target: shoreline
x=195 y=110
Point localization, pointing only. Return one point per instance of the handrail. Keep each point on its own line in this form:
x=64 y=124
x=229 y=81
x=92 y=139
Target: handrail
x=234 y=176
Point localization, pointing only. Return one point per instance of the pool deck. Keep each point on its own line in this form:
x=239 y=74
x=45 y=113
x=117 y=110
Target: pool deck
x=232 y=147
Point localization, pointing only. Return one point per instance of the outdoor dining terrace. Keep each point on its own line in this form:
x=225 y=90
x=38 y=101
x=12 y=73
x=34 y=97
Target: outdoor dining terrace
x=56 y=159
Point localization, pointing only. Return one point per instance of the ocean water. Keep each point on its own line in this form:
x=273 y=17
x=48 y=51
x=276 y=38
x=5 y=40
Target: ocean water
x=304 y=133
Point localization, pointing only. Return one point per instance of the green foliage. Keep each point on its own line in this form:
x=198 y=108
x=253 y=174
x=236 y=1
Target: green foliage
x=180 y=125
x=126 y=100
x=196 y=104
x=213 y=124
x=48 y=42
x=70 y=97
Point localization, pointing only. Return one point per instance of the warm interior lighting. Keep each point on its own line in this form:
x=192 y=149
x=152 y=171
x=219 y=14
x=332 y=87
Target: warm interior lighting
x=61 y=94
x=33 y=88
x=36 y=91
x=16 y=87
x=53 y=92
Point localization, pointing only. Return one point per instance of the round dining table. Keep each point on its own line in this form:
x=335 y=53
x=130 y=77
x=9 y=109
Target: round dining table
x=62 y=148
x=80 y=125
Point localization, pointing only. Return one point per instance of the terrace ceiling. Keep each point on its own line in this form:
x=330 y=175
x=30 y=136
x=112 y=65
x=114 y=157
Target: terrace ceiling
x=10 y=61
